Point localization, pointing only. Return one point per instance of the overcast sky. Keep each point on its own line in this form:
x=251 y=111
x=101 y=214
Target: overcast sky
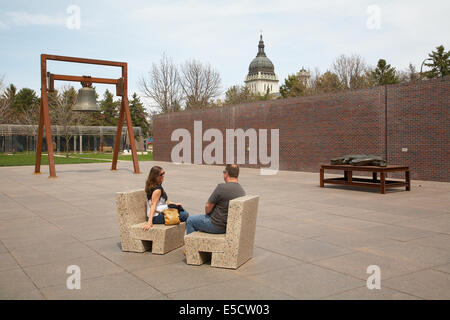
x=223 y=33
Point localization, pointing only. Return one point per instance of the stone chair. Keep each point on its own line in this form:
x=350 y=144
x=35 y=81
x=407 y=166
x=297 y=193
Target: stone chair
x=132 y=209
x=235 y=247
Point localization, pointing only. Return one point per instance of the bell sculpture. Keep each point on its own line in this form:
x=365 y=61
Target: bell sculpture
x=86 y=101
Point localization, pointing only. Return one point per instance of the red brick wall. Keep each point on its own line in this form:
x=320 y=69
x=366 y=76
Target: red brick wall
x=419 y=120
x=315 y=129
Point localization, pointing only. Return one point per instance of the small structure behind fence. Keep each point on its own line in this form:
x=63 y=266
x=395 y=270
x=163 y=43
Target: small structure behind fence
x=20 y=138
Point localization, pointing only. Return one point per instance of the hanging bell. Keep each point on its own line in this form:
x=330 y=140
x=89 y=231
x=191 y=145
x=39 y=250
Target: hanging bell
x=86 y=101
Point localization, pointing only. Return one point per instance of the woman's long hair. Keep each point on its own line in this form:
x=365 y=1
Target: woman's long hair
x=153 y=178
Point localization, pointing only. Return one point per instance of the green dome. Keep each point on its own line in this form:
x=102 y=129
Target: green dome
x=261 y=63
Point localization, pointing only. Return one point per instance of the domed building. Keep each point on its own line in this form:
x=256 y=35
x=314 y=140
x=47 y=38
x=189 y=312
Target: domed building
x=261 y=76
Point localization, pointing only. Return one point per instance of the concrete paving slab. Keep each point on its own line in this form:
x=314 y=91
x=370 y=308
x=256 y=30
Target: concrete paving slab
x=443 y=268
x=237 y=289
x=90 y=227
x=364 y=293
x=111 y=249
x=439 y=241
x=7 y=262
x=2 y=248
x=122 y=286
x=37 y=236
x=438 y=224
x=355 y=239
x=356 y=264
x=427 y=284
x=311 y=242
x=301 y=249
x=15 y=284
x=398 y=233
x=411 y=254
x=44 y=253
x=307 y=281
x=264 y=261
x=176 y=277
x=54 y=274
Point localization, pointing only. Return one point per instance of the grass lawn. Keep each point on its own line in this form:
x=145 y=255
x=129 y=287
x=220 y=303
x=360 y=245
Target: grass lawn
x=28 y=159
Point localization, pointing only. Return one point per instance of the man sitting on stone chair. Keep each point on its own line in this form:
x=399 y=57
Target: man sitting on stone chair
x=216 y=209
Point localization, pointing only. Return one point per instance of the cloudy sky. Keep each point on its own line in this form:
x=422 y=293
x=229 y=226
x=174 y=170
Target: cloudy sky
x=223 y=33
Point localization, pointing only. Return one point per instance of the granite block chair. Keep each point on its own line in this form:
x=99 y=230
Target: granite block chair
x=235 y=247
x=131 y=209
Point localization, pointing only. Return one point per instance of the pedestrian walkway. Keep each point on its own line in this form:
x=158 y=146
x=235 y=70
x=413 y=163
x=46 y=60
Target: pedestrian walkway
x=311 y=242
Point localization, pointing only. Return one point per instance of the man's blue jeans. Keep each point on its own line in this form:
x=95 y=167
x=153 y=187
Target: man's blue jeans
x=201 y=222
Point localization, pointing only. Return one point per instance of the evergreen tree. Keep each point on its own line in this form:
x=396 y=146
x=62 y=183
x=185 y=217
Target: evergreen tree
x=139 y=115
x=327 y=83
x=440 y=63
x=293 y=87
x=238 y=94
x=10 y=93
x=109 y=109
x=24 y=100
x=384 y=73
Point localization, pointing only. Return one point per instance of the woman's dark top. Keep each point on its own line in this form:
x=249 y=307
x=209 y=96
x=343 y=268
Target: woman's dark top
x=163 y=193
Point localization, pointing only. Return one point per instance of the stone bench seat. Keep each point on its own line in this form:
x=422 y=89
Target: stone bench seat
x=235 y=247
x=208 y=242
x=131 y=209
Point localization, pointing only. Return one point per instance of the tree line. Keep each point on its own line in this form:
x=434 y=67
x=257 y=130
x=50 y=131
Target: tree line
x=197 y=85
x=352 y=73
x=194 y=85
x=22 y=107
x=191 y=85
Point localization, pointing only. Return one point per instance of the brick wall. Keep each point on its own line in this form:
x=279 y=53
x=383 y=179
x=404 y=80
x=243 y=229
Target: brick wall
x=317 y=128
x=419 y=120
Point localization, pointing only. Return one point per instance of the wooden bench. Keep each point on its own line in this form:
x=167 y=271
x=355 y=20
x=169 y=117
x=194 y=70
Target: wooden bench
x=235 y=247
x=382 y=184
x=131 y=209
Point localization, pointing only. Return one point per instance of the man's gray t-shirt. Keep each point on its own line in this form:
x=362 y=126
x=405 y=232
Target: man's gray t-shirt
x=221 y=197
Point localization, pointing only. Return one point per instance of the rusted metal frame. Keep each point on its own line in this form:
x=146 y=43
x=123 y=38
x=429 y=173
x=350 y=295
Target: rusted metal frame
x=44 y=121
x=37 y=165
x=118 y=135
x=44 y=114
x=83 y=60
x=63 y=77
x=125 y=111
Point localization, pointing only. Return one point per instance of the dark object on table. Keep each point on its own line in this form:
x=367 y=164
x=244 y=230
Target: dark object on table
x=360 y=160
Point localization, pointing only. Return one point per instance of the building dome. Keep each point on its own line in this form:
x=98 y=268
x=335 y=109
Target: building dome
x=261 y=63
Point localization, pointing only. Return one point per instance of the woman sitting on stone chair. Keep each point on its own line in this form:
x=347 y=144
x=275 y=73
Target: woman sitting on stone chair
x=157 y=199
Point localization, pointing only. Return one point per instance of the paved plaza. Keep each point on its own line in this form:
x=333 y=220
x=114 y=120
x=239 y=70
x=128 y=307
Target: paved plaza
x=311 y=242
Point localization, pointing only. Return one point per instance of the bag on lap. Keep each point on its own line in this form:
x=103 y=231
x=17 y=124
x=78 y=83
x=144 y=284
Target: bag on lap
x=171 y=216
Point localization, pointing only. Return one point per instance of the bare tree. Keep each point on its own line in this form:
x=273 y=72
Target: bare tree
x=4 y=104
x=200 y=83
x=4 y=110
x=62 y=113
x=352 y=71
x=163 y=85
x=30 y=116
x=408 y=75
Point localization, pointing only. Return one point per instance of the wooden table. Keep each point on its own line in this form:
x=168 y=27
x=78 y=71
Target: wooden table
x=382 y=184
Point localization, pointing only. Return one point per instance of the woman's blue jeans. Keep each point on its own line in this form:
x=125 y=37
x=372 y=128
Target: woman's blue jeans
x=201 y=222
x=159 y=219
